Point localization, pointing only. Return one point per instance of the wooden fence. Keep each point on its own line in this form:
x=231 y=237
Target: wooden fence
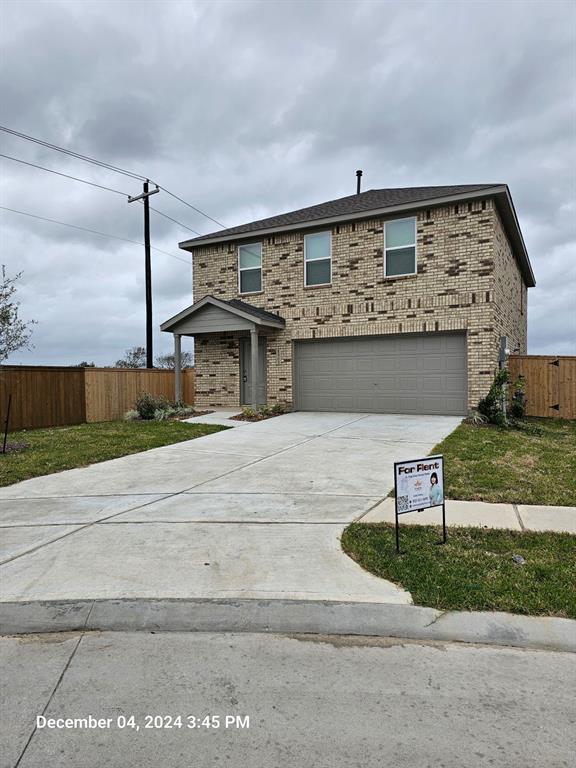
x=550 y=383
x=50 y=396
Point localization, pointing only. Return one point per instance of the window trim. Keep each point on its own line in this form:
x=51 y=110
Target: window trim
x=329 y=259
x=399 y=247
x=245 y=269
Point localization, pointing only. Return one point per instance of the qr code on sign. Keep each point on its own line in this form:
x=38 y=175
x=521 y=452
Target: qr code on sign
x=402 y=503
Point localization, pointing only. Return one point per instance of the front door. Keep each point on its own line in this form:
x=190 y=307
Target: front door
x=246 y=372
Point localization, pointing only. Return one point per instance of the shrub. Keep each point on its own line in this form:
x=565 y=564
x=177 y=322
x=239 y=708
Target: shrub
x=517 y=409
x=131 y=416
x=500 y=419
x=492 y=406
x=476 y=418
x=183 y=410
x=263 y=411
x=518 y=404
x=147 y=405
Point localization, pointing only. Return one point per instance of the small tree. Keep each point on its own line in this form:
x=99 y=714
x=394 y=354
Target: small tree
x=493 y=406
x=84 y=364
x=168 y=361
x=134 y=358
x=14 y=333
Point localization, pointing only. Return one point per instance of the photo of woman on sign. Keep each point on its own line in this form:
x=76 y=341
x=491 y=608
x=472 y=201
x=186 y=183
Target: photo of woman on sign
x=435 y=492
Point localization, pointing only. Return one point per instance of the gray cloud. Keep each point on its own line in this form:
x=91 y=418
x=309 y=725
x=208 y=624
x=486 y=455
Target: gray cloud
x=252 y=108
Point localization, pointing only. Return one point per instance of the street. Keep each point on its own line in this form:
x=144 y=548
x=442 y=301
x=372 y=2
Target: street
x=249 y=700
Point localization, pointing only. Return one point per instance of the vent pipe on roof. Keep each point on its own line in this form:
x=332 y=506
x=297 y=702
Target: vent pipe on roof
x=358 y=181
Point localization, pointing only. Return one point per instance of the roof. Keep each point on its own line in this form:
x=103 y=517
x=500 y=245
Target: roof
x=262 y=314
x=378 y=202
x=343 y=206
x=235 y=307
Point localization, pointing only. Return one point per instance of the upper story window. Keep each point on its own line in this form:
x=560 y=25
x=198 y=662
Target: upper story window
x=318 y=259
x=250 y=268
x=400 y=247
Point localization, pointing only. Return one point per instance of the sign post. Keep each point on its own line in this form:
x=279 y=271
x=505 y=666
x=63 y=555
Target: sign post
x=419 y=485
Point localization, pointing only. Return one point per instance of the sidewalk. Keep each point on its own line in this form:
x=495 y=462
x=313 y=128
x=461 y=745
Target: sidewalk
x=221 y=416
x=515 y=517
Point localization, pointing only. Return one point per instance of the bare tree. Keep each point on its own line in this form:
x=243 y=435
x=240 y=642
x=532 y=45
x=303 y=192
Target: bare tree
x=14 y=333
x=167 y=361
x=133 y=358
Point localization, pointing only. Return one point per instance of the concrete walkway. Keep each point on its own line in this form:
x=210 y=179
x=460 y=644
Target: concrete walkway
x=515 y=517
x=222 y=417
x=251 y=512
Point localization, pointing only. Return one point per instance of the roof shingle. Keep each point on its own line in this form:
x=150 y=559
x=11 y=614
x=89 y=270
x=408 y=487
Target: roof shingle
x=352 y=204
x=261 y=313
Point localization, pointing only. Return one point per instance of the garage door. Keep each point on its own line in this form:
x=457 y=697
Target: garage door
x=383 y=374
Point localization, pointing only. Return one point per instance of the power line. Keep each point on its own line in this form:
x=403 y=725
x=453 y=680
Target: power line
x=65 y=175
x=77 y=155
x=192 y=206
x=109 y=167
x=91 y=231
x=174 y=220
x=93 y=184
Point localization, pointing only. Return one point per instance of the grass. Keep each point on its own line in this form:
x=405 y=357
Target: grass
x=59 y=448
x=532 y=465
x=474 y=570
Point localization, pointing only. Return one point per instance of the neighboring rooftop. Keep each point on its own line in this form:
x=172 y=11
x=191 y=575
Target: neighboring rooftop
x=377 y=201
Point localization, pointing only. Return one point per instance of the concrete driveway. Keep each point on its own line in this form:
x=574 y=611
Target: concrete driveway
x=254 y=512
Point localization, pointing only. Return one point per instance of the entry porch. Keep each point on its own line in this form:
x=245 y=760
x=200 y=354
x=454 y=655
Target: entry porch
x=210 y=319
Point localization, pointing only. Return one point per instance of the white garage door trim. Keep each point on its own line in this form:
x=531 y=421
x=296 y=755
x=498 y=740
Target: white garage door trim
x=405 y=373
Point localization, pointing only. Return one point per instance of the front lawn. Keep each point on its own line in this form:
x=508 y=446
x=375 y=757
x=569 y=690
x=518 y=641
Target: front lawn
x=474 y=570
x=58 y=448
x=533 y=465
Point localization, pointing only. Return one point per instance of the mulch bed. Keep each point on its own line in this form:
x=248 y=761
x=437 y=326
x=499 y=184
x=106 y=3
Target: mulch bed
x=241 y=417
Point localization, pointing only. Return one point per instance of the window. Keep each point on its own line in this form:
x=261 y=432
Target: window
x=250 y=268
x=318 y=258
x=400 y=247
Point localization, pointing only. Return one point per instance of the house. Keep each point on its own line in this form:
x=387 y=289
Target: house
x=390 y=300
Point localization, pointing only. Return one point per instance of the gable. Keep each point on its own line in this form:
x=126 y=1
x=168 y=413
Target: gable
x=211 y=319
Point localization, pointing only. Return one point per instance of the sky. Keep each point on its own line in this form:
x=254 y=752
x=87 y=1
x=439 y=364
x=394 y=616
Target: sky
x=249 y=109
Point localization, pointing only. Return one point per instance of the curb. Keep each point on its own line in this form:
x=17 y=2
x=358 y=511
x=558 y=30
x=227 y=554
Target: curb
x=288 y=617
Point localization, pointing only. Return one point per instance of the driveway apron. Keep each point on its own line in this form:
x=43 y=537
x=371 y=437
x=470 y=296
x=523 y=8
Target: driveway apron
x=252 y=512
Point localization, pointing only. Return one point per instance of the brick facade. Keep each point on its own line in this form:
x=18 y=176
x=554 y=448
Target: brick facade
x=468 y=280
x=510 y=292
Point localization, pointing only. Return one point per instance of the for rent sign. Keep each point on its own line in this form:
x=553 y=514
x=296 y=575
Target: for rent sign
x=419 y=484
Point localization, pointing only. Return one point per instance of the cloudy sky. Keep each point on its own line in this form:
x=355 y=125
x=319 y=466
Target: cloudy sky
x=247 y=109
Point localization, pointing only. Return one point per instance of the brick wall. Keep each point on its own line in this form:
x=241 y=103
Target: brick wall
x=510 y=293
x=467 y=280
x=216 y=361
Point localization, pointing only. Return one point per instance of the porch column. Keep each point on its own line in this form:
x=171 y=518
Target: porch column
x=178 y=367
x=254 y=365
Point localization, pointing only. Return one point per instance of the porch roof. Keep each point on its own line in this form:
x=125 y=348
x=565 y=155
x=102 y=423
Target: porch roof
x=212 y=315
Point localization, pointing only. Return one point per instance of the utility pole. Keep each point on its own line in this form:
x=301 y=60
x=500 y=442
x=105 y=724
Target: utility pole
x=147 y=267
